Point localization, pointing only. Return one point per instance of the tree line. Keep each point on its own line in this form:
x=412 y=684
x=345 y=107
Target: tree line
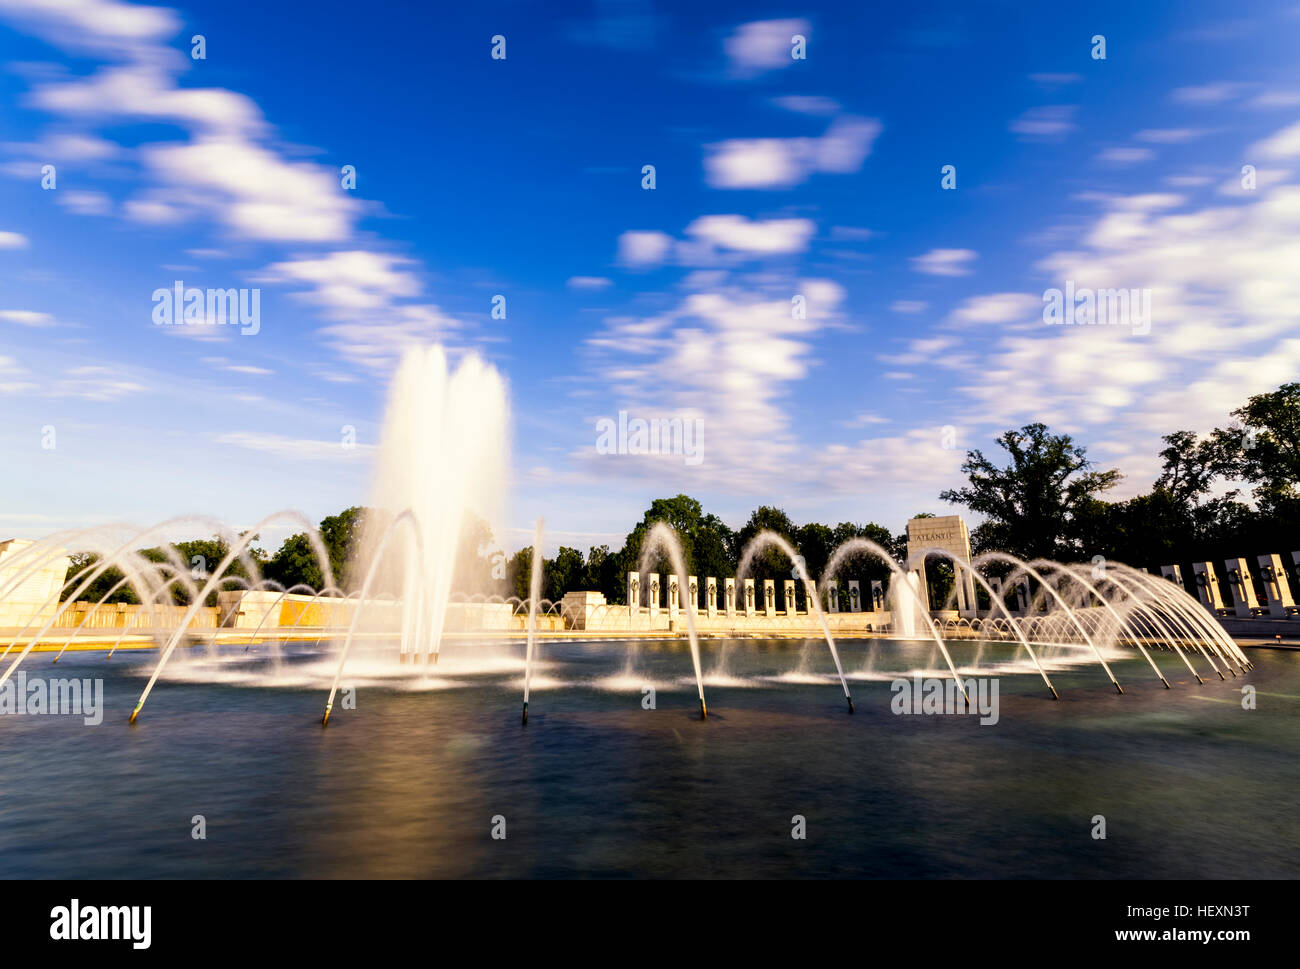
x=1046 y=500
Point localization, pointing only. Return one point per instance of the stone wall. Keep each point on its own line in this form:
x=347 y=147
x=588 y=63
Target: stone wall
x=35 y=596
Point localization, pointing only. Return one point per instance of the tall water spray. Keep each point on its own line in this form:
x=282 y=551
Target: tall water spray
x=443 y=457
x=905 y=609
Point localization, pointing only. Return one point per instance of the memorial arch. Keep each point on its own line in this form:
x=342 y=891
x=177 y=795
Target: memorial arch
x=949 y=533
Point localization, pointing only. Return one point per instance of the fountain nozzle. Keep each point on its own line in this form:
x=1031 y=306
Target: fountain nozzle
x=525 y=720
x=704 y=710
x=850 y=699
x=324 y=721
x=135 y=713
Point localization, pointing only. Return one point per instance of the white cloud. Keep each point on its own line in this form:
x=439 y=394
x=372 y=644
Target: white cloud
x=12 y=240
x=1168 y=136
x=997 y=308
x=1283 y=144
x=367 y=294
x=815 y=105
x=756 y=163
x=944 y=262
x=67 y=147
x=643 y=249
x=589 y=282
x=908 y=306
x=293 y=449
x=225 y=169
x=1125 y=155
x=1055 y=80
x=1049 y=121
x=94 y=26
x=1215 y=93
x=254 y=192
x=26 y=318
x=1276 y=99
x=1225 y=323
x=917 y=457
x=768 y=237
x=728 y=356
x=927 y=350
x=763 y=45
x=349 y=281
x=85 y=202
x=94 y=383
x=786 y=162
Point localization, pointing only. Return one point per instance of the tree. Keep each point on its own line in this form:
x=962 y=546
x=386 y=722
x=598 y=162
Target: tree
x=519 y=570
x=1190 y=468
x=81 y=562
x=341 y=535
x=1265 y=449
x=771 y=563
x=294 y=563
x=562 y=574
x=1031 y=504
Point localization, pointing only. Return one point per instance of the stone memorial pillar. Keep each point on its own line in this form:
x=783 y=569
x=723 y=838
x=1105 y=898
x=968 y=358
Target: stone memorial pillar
x=787 y=594
x=922 y=588
x=711 y=592
x=749 y=597
x=832 y=591
x=633 y=595
x=674 y=595
x=693 y=594
x=1276 y=587
x=995 y=583
x=1207 y=587
x=1244 y=600
x=855 y=600
x=653 y=600
x=877 y=602
x=731 y=596
x=1021 y=607
x=769 y=598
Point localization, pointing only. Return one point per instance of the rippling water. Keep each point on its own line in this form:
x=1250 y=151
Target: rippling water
x=408 y=783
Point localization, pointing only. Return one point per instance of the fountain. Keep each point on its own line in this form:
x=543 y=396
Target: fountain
x=443 y=460
x=766 y=539
x=442 y=457
x=905 y=609
x=662 y=539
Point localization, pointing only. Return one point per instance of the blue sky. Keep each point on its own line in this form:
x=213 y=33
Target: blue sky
x=522 y=177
